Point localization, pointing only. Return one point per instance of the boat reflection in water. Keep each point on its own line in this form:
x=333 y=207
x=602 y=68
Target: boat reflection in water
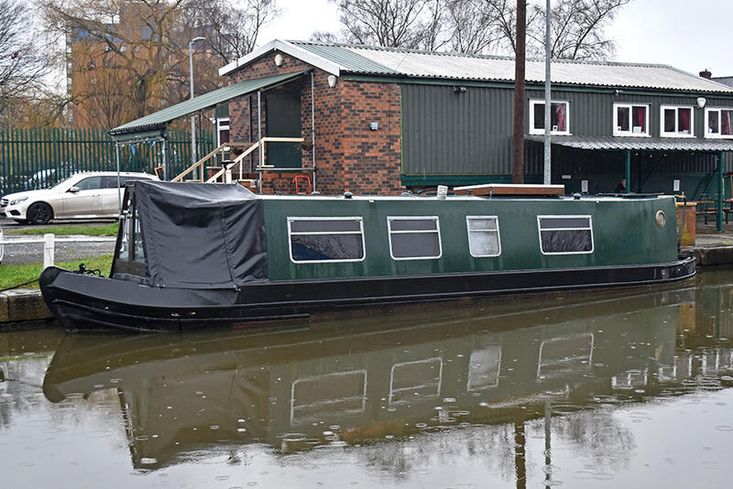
x=356 y=381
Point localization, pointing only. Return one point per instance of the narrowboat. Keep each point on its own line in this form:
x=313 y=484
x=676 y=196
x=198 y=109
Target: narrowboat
x=197 y=255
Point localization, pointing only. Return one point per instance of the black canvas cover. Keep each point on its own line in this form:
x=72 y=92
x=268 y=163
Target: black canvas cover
x=201 y=235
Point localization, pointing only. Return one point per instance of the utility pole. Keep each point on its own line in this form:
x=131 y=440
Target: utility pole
x=190 y=85
x=519 y=76
x=548 y=98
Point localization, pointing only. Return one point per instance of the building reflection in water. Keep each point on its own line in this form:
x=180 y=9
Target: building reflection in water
x=398 y=377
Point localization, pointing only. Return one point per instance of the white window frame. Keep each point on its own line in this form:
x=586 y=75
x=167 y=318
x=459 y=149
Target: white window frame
x=676 y=134
x=468 y=233
x=533 y=131
x=630 y=132
x=438 y=385
x=421 y=231
x=330 y=218
x=293 y=406
x=717 y=135
x=221 y=123
x=590 y=227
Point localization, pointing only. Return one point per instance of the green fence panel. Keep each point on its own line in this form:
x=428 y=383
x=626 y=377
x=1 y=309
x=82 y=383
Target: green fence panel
x=41 y=157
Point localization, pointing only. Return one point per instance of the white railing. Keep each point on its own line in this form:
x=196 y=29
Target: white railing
x=49 y=244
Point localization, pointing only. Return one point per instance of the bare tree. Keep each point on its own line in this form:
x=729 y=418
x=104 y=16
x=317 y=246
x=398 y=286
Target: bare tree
x=473 y=26
x=129 y=58
x=22 y=57
x=232 y=31
x=578 y=29
x=391 y=23
x=477 y=26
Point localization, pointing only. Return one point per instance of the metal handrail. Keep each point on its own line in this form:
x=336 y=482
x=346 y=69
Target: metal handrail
x=200 y=163
x=259 y=144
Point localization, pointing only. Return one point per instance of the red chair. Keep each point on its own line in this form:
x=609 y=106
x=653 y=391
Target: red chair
x=300 y=182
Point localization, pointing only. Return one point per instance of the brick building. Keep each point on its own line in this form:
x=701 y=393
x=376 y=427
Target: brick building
x=382 y=120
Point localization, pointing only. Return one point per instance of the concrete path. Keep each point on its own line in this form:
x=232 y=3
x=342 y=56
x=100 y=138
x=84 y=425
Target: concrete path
x=33 y=253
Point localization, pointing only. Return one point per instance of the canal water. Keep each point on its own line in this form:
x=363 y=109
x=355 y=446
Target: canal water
x=625 y=388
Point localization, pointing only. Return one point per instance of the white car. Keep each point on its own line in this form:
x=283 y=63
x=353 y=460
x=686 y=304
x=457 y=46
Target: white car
x=81 y=196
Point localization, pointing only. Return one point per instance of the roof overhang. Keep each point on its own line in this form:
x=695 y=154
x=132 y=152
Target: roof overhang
x=600 y=143
x=156 y=123
x=287 y=48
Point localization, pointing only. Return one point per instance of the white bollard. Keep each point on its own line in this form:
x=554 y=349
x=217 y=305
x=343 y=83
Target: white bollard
x=228 y=176
x=48 y=250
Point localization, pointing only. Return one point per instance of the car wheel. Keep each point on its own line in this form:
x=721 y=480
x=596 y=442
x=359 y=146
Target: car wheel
x=39 y=213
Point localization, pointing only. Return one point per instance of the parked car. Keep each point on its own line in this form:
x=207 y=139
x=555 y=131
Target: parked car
x=81 y=196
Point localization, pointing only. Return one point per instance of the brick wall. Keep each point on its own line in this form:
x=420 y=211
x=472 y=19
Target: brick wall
x=348 y=155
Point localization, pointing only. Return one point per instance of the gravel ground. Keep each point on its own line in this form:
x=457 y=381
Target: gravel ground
x=31 y=253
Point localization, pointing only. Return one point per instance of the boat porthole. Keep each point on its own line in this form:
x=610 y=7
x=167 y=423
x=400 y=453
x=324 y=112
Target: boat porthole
x=661 y=219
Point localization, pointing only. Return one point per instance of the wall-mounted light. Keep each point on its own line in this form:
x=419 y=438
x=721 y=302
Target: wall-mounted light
x=701 y=101
x=278 y=60
x=459 y=89
x=373 y=126
x=332 y=80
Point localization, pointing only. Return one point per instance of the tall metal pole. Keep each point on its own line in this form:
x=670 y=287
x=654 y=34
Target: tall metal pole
x=119 y=197
x=519 y=75
x=190 y=86
x=548 y=98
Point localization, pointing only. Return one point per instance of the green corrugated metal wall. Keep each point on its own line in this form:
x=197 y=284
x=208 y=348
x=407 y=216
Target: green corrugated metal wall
x=449 y=132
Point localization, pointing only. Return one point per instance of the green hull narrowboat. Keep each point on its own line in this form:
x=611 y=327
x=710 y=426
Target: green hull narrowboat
x=196 y=255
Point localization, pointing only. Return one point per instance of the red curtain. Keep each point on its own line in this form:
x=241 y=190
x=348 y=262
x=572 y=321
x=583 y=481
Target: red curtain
x=725 y=128
x=560 y=117
x=640 y=116
x=683 y=117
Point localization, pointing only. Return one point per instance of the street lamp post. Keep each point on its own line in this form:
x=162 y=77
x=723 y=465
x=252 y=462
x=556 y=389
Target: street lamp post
x=193 y=117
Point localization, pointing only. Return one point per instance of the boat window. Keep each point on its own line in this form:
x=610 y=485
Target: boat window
x=413 y=381
x=139 y=251
x=414 y=238
x=483 y=235
x=326 y=239
x=334 y=394
x=565 y=235
x=484 y=367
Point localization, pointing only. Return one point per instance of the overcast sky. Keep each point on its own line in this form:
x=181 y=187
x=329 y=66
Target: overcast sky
x=687 y=34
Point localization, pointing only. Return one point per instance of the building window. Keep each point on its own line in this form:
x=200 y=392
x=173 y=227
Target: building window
x=326 y=239
x=559 y=117
x=719 y=123
x=222 y=131
x=630 y=120
x=483 y=236
x=677 y=121
x=414 y=238
x=565 y=235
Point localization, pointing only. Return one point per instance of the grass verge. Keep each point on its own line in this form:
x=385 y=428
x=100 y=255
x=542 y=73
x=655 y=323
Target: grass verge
x=11 y=275
x=65 y=230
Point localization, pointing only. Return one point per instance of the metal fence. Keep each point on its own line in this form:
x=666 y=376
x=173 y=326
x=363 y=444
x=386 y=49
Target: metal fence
x=39 y=158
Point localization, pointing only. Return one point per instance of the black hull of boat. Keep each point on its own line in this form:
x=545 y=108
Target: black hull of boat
x=84 y=302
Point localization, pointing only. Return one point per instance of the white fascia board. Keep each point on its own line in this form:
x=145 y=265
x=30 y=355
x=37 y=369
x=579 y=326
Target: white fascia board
x=287 y=48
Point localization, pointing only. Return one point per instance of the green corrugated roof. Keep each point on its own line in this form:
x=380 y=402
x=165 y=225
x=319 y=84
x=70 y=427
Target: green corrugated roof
x=347 y=59
x=160 y=119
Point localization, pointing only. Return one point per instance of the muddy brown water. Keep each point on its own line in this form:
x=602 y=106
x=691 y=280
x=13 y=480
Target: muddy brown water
x=624 y=388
